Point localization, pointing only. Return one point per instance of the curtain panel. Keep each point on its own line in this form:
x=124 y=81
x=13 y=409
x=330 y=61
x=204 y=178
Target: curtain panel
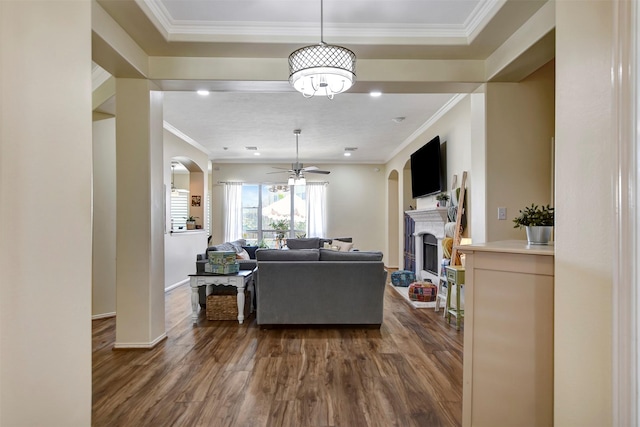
x=233 y=211
x=316 y=209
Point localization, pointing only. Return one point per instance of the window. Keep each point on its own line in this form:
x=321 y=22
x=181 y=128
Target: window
x=267 y=211
x=179 y=210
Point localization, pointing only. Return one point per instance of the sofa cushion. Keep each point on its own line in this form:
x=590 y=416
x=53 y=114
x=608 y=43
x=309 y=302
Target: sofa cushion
x=331 y=255
x=306 y=243
x=288 y=255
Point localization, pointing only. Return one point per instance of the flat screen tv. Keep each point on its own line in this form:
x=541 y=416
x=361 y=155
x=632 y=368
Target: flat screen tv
x=428 y=169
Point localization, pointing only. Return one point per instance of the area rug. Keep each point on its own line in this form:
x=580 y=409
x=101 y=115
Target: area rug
x=404 y=292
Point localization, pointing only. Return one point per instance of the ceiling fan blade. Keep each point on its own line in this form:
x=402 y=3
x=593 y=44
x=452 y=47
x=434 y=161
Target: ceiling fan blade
x=317 y=171
x=276 y=167
x=282 y=171
x=310 y=168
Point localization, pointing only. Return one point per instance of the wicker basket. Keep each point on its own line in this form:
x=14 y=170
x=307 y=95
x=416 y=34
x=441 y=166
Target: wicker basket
x=225 y=306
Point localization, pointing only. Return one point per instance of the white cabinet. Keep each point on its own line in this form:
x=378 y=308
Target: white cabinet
x=508 y=335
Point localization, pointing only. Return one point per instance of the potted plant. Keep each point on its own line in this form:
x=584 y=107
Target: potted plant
x=281 y=227
x=191 y=222
x=442 y=199
x=538 y=222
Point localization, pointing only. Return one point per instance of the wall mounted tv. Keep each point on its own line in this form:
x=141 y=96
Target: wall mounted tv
x=429 y=169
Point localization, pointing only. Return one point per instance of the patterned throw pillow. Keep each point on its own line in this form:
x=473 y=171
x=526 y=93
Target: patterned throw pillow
x=342 y=246
x=235 y=246
x=242 y=255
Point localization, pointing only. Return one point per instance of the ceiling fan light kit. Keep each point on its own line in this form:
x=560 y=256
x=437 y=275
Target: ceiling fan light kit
x=322 y=69
x=297 y=171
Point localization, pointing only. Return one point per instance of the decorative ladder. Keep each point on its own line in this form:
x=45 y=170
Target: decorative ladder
x=457 y=235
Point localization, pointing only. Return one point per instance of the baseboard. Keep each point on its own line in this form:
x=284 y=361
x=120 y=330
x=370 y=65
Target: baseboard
x=103 y=315
x=177 y=284
x=141 y=345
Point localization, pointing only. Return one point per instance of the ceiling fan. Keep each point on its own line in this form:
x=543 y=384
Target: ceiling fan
x=297 y=171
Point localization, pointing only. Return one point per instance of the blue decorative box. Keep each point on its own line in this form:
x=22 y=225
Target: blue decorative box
x=402 y=278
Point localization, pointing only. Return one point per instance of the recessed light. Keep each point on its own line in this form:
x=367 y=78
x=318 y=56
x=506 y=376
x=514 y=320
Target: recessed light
x=398 y=119
x=347 y=154
x=256 y=154
x=375 y=93
x=203 y=92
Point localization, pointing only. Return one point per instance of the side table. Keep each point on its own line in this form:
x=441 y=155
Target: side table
x=240 y=280
x=455 y=277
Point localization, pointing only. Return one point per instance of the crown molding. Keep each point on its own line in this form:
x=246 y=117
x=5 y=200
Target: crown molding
x=433 y=119
x=218 y=31
x=177 y=132
x=480 y=17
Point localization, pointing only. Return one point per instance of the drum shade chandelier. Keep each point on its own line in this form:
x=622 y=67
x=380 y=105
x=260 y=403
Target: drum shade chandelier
x=322 y=69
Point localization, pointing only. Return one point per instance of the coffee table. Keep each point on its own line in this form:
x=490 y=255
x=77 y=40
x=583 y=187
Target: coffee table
x=240 y=280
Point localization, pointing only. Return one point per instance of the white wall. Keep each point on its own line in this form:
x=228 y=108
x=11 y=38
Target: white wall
x=584 y=214
x=45 y=213
x=519 y=128
x=104 y=218
x=181 y=249
x=355 y=198
x=454 y=128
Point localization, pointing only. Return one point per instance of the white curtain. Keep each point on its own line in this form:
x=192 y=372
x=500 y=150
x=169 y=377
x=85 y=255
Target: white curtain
x=316 y=209
x=232 y=211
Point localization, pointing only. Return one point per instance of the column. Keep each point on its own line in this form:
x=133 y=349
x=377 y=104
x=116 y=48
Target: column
x=139 y=215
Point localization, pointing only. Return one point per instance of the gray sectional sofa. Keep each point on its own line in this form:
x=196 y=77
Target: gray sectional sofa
x=319 y=287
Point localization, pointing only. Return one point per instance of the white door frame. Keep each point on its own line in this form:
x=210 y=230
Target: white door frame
x=625 y=73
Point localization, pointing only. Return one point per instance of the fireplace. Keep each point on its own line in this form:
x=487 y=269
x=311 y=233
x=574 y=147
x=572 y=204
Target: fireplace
x=428 y=235
x=430 y=259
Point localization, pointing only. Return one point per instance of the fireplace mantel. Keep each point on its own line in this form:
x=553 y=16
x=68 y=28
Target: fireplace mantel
x=429 y=215
x=428 y=221
x=431 y=221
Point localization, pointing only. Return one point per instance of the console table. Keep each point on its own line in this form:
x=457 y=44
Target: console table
x=239 y=280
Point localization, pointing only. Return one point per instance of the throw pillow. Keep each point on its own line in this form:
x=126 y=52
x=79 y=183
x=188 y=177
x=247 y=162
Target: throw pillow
x=225 y=247
x=251 y=250
x=242 y=255
x=342 y=246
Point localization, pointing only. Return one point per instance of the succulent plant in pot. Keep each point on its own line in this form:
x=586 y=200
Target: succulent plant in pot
x=191 y=222
x=538 y=222
x=443 y=198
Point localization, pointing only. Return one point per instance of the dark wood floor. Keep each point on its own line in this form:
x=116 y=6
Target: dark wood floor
x=220 y=373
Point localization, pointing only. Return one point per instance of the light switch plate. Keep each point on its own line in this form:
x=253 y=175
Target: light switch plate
x=502 y=213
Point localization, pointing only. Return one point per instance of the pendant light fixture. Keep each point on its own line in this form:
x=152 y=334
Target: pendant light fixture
x=322 y=69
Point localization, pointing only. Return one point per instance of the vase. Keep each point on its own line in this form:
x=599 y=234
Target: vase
x=539 y=234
